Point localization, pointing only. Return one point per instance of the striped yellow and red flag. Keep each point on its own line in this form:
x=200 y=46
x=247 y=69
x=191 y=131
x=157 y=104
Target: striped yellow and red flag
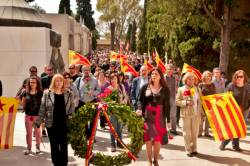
x=159 y=62
x=187 y=68
x=116 y=57
x=149 y=66
x=76 y=58
x=125 y=67
x=224 y=116
x=8 y=109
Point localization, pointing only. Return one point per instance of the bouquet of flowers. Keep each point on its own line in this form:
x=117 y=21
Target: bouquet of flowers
x=188 y=94
x=108 y=95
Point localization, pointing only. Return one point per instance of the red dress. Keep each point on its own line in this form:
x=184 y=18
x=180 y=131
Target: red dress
x=155 y=123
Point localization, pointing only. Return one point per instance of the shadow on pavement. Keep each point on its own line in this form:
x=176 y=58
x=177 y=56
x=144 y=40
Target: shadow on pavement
x=102 y=144
x=224 y=160
x=174 y=147
x=15 y=157
x=142 y=156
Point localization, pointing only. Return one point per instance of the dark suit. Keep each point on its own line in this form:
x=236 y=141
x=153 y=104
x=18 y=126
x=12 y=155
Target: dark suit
x=46 y=80
x=135 y=90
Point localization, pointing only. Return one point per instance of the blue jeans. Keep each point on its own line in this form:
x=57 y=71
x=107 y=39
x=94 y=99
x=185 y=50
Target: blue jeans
x=118 y=128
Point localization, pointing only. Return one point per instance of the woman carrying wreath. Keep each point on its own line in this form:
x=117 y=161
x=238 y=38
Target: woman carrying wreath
x=57 y=105
x=188 y=98
x=115 y=85
x=153 y=105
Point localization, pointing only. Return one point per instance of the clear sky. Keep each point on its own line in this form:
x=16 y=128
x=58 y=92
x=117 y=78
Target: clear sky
x=51 y=6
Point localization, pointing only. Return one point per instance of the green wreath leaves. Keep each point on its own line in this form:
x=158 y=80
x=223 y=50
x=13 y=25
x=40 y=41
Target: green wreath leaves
x=124 y=114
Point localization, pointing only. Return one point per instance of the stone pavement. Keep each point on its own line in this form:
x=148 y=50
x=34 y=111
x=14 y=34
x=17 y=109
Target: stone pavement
x=172 y=154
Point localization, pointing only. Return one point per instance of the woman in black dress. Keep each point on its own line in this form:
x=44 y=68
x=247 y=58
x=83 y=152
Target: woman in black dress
x=154 y=106
x=57 y=105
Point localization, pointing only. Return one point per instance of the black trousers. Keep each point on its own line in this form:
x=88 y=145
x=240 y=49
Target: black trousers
x=59 y=146
x=89 y=127
x=178 y=110
x=102 y=120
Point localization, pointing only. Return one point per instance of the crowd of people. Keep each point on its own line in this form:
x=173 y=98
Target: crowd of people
x=51 y=99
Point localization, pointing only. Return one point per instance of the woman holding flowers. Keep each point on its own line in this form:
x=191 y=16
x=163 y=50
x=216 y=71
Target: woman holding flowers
x=154 y=106
x=115 y=85
x=188 y=98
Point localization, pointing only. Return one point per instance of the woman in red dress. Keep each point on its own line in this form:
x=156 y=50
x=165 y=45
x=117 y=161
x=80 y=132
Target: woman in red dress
x=154 y=106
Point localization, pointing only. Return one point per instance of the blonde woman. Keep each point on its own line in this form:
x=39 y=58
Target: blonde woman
x=188 y=98
x=207 y=88
x=57 y=104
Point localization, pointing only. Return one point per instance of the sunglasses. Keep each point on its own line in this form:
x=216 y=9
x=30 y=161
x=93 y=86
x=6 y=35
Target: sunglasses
x=71 y=68
x=239 y=76
x=33 y=71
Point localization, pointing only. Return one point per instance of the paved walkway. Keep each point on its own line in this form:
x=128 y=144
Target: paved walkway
x=172 y=154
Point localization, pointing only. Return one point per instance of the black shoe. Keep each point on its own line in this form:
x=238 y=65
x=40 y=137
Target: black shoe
x=174 y=132
x=194 y=153
x=113 y=149
x=238 y=149
x=208 y=135
x=222 y=147
x=44 y=134
x=190 y=155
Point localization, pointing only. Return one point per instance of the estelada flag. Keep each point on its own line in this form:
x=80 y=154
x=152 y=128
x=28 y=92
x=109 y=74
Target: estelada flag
x=159 y=63
x=149 y=66
x=125 y=67
x=116 y=57
x=76 y=58
x=8 y=109
x=187 y=68
x=224 y=116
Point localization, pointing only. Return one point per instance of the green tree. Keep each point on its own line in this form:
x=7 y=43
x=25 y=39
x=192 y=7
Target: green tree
x=119 y=12
x=64 y=6
x=214 y=21
x=84 y=11
x=133 y=37
x=128 y=35
x=143 y=38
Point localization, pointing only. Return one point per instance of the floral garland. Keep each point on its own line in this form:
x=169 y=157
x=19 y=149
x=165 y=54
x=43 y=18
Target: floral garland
x=123 y=113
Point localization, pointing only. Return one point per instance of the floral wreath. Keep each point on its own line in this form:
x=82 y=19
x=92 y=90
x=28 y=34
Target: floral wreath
x=77 y=137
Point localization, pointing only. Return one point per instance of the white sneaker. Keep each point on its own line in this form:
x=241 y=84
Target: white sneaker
x=27 y=152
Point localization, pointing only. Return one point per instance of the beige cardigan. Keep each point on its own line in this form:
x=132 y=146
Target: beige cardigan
x=181 y=101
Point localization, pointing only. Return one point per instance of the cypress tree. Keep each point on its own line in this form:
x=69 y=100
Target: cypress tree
x=84 y=10
x=133 y=36
x=64 y=5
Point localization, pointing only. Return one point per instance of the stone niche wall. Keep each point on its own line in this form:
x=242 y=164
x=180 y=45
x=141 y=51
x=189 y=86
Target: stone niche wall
x=20 y=48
